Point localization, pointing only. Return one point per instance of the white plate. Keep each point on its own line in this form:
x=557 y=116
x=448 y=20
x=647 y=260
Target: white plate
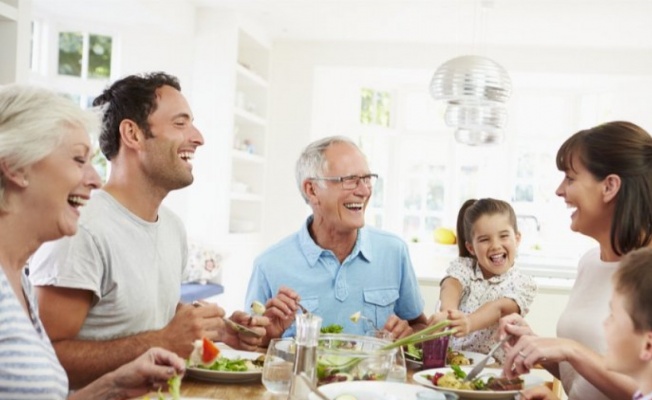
x=476 y=357
x=227 y=376
x=528 y=380
x=370 y=390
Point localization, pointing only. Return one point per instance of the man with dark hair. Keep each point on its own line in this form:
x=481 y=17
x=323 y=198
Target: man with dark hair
x=112 y=291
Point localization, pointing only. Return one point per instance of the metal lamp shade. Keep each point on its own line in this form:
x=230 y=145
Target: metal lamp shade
x=476 y=116
x=471 y=78
x=479 y=137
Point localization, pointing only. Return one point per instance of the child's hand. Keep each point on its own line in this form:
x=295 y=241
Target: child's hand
x=459 y=321
x=437 y=318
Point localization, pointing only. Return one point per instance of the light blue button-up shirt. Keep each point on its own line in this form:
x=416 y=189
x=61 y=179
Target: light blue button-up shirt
x=377 y=279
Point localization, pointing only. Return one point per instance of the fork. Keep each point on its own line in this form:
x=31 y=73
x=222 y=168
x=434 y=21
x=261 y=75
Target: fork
x=480 y=366
x=234 y=325
x=303 y=309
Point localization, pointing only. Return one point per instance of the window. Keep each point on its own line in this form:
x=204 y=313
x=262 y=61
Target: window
x=375 y=107
x=84 y=55
x=82 y=67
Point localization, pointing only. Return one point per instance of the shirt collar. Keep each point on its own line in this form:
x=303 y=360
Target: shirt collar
x=312 y=251
x=477 y=274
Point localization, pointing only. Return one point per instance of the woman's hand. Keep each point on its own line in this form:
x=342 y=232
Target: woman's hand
x=148 y=372
x=532 y=350
x=515 y=325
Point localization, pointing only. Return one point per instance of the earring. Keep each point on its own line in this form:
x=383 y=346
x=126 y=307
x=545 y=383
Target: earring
x=25 y=182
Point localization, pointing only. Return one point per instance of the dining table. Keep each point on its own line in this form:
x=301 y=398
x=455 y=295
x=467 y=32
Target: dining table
x=198 y=389
x=192 y=388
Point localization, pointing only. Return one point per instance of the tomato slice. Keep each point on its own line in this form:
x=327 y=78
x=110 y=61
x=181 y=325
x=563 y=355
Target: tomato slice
x=435 y=378
x=209 y=351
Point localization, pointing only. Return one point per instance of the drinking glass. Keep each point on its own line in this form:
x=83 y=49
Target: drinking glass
x=277 y=368
x=398 y=371
x=434 y=352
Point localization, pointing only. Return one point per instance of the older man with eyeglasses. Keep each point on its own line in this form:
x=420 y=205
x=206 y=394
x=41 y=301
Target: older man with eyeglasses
x=334 y=266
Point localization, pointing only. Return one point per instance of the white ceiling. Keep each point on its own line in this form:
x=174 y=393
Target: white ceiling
x=554 y=23
x=550 y=23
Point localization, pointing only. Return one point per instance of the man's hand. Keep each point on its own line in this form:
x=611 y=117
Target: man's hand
x=245 y=341
x=191 y=323
x=398 y=328
x=281 y=310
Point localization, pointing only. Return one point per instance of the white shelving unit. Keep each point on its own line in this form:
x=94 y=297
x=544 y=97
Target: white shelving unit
x=249 y=135
x=14 y=40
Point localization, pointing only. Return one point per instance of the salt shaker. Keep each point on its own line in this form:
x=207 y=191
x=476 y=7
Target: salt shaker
x=305 y=358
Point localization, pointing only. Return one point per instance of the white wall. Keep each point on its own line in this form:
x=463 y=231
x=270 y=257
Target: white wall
x=293 y=96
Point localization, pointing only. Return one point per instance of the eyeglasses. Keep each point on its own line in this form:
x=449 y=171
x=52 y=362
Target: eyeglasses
x=352 y=181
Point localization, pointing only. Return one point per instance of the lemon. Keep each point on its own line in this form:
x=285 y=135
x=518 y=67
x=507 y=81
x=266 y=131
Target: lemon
x=445 y=236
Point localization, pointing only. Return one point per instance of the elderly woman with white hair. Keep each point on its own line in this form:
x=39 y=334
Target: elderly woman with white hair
x=45 y=177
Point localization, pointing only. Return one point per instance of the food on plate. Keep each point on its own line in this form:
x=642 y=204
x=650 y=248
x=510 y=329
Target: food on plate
x=454 y=357
x=505 y=384
x=332 y=328
x=454 y=379
x=206 y=355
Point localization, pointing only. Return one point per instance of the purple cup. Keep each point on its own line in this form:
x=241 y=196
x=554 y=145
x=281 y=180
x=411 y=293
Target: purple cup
x=434 y=352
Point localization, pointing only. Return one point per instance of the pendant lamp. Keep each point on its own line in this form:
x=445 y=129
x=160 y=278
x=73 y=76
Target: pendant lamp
x=476 y=89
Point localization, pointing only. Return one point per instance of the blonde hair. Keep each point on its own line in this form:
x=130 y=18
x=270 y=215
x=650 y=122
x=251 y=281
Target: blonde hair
x=33 y=121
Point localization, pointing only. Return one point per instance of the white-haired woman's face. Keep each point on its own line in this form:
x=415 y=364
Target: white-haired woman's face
x=61 y=183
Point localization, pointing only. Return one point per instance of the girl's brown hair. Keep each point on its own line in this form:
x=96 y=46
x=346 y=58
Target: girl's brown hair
x=471 y=211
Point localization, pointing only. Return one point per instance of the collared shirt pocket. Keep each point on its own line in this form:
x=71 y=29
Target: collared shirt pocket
x=379 y=303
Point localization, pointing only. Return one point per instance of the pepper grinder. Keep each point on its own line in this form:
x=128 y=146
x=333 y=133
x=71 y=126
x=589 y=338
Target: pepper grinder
x=305 y=358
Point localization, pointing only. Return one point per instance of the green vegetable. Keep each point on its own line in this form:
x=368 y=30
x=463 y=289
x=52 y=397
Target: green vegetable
x=423 y=335
x=174 y=387
x=226 y=364
x=414 y=351
x=458 y=371
x=332 y=328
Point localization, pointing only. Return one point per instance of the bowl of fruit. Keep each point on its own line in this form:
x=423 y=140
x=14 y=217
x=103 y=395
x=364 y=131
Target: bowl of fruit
x=344 y=357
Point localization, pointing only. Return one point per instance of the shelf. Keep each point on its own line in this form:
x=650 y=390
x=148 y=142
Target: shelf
x=251 y=77
x=249 y=117
x=245 y=156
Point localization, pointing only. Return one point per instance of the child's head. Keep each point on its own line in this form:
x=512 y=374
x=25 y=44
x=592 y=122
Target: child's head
x=487 y=231
x=628 y=329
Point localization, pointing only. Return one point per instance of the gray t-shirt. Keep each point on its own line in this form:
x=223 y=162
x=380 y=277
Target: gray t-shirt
x=133 y=267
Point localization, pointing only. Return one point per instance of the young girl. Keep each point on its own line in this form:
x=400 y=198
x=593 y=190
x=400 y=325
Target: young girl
x=481 y=285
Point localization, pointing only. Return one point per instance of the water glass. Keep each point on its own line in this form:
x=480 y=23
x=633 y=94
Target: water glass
x=434 y=352
x=278 y=365
x=398 y=371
